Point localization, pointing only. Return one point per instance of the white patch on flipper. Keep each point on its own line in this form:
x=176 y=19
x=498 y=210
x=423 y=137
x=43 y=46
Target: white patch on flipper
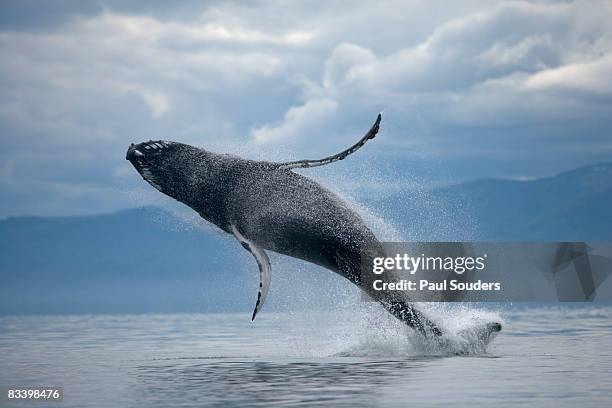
x=265 y=270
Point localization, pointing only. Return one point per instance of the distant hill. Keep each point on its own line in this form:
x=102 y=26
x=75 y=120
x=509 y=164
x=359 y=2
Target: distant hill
x=147 y=260
x=571 y=206
x=138 y=260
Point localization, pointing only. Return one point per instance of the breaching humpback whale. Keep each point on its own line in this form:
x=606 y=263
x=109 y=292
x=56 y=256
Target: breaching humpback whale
x=267 y=206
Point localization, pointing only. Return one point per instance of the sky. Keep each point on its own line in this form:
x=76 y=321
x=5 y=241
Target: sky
x=468 y=89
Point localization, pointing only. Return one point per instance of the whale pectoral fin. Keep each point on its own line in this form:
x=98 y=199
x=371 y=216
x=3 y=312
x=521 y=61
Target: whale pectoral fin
x=340 y=156
x=265 y=270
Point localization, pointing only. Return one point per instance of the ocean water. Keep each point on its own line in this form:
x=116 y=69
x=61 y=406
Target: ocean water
x=544 y=357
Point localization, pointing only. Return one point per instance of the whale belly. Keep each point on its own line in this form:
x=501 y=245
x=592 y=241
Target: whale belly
x=295 y=216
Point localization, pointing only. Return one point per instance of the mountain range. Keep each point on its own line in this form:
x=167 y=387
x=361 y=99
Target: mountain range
x=571 y=206
x=150 y=260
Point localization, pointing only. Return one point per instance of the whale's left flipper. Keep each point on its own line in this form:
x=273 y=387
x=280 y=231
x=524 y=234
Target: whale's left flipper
x=321 y=162
x=263 y=262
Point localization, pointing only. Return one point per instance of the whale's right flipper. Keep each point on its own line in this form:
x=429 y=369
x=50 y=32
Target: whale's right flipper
x=263 y=262
x=340 y=156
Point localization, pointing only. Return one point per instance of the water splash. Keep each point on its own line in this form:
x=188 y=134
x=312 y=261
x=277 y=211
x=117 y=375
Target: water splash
x=366 y=330
x=372 y=330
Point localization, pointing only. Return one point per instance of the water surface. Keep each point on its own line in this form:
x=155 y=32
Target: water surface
x=545 y=357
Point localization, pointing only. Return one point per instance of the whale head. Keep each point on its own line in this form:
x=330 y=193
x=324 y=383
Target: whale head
x=167 y=166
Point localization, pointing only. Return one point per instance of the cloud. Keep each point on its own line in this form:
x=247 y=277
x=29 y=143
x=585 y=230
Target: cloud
x=303 y=120
x=471 y=83
x=135 y=54
x=96 y=84
x=490 y=68
x=590 y=77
